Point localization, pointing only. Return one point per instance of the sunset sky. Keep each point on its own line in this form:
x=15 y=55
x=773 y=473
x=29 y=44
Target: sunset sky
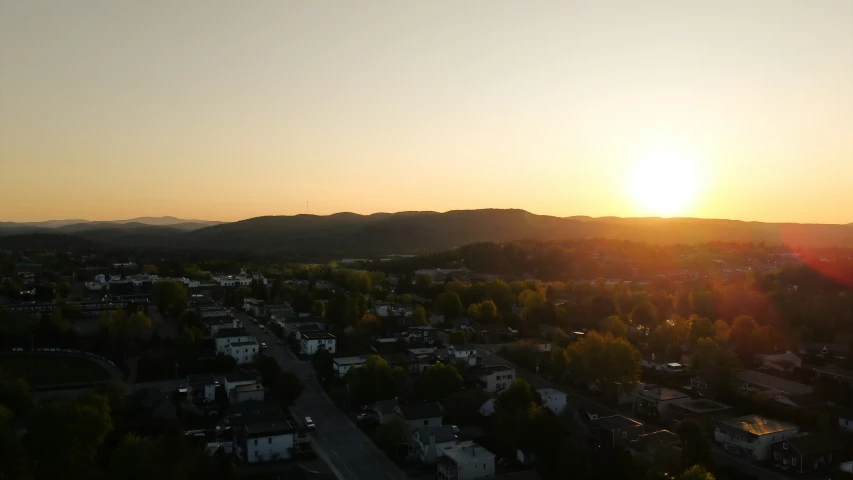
x=225 y=110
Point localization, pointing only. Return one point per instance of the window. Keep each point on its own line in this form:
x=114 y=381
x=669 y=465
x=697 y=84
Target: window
x=777 y=455
x=269 y=440
x=256 y=441
x=624 y=434
x=785 y=446
x=794 y=461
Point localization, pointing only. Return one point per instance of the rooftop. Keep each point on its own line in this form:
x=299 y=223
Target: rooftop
x=422 y=351
x=546 y=392
x=420 y=411
x=442 y=434
x=232 y=332
x=616 y=422
x=699 y=405
x=241 y=376
x=257 y=387
x=243 y=344
x=771 y=382
x=386 y=406
x=662 y=394
x=350 y=360
x=268 y=428
x=462 y=454
x=317 y=335
x=814 y=443
x=652 y=441
x=489 y=369
x=758 y=425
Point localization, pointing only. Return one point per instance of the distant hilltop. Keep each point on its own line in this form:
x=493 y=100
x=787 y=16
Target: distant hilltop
x=349 y=234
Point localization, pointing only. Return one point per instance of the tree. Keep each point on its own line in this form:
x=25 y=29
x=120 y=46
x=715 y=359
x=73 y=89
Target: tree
x=700 y=328
x=66 y=436
x=419 y=315
x=696 y=472
x=741 y=334
x=450 y=304
x=135 y=458
x=286 y=387
x=323 y=363
x=457 y=337
x=13 y=461
x=388 y=436
x=607 y=360
x=717 y=366
x=485 y=312
x=440 y=381
x=376 y=380
x=517 y=398
x=614 y=326
x=423 y=282
x=169 y=296
x=318 y=308
x=15 y=395
x=190 y=342
x=696 y=448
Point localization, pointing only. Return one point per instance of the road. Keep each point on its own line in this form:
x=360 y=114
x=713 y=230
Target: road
x=347 y=450
x=487 y=353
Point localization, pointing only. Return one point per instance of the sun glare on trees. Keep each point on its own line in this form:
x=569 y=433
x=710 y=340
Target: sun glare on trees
x=664 y=184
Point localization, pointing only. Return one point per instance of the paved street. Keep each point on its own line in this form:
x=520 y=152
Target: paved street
x=349 y=453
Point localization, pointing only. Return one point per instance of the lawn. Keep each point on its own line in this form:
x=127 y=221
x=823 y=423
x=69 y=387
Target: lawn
x=46 y=369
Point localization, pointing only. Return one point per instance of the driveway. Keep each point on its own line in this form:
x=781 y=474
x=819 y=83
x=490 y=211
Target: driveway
x=347 y=450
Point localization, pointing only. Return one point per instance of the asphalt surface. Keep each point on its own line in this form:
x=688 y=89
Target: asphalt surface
x=336 y=439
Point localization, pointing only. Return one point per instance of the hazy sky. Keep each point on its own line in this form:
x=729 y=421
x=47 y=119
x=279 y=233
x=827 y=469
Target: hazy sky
x=232 y=109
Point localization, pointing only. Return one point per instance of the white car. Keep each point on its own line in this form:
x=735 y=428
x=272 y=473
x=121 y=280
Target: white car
x=309 y=424
x=263 y=345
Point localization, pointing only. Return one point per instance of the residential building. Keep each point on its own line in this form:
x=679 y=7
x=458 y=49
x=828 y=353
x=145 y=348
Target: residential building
x=487 y=409
x=244 y=393
x=553 y=399
x=837 y=351
x=385 y=410
x=467 y=461
x=213 y=325
x=654 y=402
x=496 y=378
x=835 y=373
x=422 y=335
x=232 y=280
x=423 y=358
x=301 y=324
x=208 y=310
x=202 y=387
x=420 y=415
x=761 y=384
x=399 y=360
x=466 y=354
x=753 y=434
x=157 y=403
x=279 y=310
x=806 y=453
x=661 y=449
x=807 y=402
x=616 y=431
x=267 y=441
x=227 y=336
x=243 y=352
x=704 y=411
x=312 y=342
x=429 y=442
x=239 y=378
x=591 y=412
x=344 y=364
x=383 y=310
x=253 y=307
x=783 y=362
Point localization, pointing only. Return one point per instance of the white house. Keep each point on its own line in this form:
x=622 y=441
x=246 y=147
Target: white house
x=239 y=378
x=227 y=336
x=429 y=442
x=496 y=378
x=753 y=434
x=385 y=410
x=312 y=342
x=232 y=280
x=553 y=399
x=202 y=387
x=269 y=440
x=462 y=354
x=344 y=364
x=467 y=461
x=243 y=352
x=784 y=362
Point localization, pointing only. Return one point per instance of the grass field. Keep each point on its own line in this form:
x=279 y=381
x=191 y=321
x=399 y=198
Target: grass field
x=46 y=369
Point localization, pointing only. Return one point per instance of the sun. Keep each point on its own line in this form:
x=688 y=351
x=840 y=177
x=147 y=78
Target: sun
x=664 y=184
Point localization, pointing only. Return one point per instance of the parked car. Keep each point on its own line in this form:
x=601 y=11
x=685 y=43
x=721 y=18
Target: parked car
x=455 y=429
x=309 y=424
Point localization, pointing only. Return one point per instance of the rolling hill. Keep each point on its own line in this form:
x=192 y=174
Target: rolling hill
x=351 y=234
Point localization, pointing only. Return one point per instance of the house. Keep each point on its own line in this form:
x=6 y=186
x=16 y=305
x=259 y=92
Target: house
x=615 y=431
x=661 y=449
x=423 y=358
x=399 y=360
x=783 y=362
x=467 y=461
x=496 y=378
x=301 y=324
x=157 y=403
x=835 y=373
x=385 y=410
x=422 y=335
x=202 y=387
x=384 y=310
x=654 y=402
x=753 y=434
x=466 y=354
x=429 y=442
x=344 y=364
x=211 y=311
x=749 y=382
x=312 y=342
x=553 y=399
x=253 y=306
x=233 y=280
x=243 y=352
x=266 y=441
x=806 y=402
x=704 y=411
x=420 y=415
x=495 y=333
x=227 y=336
x=806 y=453
x=838 y=351
x=239 y=378
x=213 y=325
x=435 y=320
x=244 y=393
x=280 y=310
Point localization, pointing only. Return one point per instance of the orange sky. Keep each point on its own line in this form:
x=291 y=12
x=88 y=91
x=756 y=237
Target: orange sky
x=227 y=110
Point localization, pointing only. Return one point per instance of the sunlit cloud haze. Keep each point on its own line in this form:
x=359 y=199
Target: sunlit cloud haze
x=226 y=110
